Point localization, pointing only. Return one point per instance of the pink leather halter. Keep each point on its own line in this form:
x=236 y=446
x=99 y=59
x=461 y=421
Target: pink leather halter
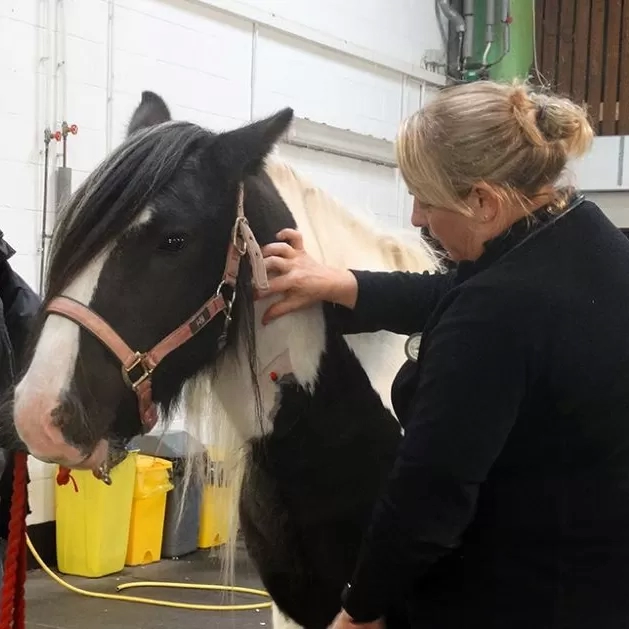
x=138 y=367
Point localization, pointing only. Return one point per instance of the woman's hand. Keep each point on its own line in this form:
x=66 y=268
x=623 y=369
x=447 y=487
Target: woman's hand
x=303 y=280
x=344 y=621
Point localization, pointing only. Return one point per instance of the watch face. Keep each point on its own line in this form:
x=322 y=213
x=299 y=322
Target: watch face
x=411 y=346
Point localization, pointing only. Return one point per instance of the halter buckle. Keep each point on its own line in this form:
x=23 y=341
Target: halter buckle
x=145 y=375
x=238 y=240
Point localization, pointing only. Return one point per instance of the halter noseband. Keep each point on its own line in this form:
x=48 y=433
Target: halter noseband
x=138 y=367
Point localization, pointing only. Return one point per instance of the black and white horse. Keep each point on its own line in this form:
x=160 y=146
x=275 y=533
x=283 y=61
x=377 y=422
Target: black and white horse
x=143 y=243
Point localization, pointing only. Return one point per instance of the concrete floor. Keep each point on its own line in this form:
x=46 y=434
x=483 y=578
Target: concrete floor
x=50 y=606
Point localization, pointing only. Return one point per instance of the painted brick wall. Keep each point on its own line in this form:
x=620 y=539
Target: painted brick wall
x=86 y=61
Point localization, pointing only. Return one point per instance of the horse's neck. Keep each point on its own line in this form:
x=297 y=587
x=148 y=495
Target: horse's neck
x=292 y=344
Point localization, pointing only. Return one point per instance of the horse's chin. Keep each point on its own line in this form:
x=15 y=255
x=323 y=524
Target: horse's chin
x=96 y=459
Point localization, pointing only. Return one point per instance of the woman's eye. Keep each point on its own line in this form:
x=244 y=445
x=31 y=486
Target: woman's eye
x=173 y=243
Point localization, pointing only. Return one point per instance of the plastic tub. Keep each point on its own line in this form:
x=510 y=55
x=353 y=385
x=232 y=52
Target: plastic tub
x=93 y=521
x=183 y=505
x=152 y=484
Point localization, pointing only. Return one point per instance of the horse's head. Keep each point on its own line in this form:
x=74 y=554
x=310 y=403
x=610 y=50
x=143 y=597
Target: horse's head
x=144 y=244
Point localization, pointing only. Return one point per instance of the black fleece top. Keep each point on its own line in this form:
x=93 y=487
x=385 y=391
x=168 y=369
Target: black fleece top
x=508 y=505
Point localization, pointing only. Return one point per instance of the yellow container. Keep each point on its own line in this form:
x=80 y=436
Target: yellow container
x=152 y=484
x=93 y=522
x=214 y=517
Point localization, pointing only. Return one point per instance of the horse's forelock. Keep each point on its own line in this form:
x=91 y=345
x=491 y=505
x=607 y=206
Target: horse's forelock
x=114 y=195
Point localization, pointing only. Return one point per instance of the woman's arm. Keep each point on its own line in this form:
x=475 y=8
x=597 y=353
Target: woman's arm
x=472 y=383
x=396 y=301
x=367 y=301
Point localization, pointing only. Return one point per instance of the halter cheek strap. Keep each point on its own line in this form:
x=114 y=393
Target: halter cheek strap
x=137 y=367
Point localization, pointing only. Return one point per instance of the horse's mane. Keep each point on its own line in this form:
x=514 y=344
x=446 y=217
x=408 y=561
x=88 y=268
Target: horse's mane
x=336 y=236
x=373 y=247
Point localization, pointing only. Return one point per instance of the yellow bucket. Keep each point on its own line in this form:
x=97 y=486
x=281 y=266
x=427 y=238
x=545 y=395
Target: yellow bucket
x=93 y=521
x=214 y=517
x=152 y=484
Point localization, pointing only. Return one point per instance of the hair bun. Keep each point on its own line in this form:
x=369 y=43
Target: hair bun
x=561 y=120
x=551 y=119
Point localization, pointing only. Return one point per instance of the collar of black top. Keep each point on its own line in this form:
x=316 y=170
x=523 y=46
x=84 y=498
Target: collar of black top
x=515 y=236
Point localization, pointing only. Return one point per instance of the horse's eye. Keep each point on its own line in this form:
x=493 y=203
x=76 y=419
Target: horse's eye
x=173 y=243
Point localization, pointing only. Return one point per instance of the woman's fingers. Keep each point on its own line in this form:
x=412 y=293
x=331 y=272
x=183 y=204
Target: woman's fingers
x=293 y=237
x=279 y=284
x=275 y=264
x=278 y=249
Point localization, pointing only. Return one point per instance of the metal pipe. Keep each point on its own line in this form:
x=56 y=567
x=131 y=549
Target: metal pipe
x=468 y=17
x=505 y=18
x=44 y=230
x=490 y=21
x=452 y=15
x=254 y=71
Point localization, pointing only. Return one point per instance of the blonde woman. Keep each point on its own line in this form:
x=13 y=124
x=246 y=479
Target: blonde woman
x=508 y=506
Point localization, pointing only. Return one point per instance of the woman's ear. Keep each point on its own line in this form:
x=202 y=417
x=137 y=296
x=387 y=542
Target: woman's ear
x=485 y=201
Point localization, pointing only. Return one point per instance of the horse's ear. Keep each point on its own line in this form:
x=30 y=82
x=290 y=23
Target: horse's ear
x=242 y=151
x=152 y=110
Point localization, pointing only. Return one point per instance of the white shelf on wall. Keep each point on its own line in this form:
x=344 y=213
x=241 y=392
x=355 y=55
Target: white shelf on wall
x=318 y=136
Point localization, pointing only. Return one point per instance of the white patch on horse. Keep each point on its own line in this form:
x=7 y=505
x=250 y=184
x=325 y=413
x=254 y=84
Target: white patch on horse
x=297 y=339
x=142 y=219
x=52 y=368
x=279 y=621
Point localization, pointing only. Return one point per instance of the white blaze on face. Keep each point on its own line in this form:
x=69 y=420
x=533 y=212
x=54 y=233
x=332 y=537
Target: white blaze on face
x=50 y=374
x=51 y=371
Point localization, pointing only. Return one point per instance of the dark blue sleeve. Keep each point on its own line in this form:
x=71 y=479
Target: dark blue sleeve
x=397 y=301
x=471 y=383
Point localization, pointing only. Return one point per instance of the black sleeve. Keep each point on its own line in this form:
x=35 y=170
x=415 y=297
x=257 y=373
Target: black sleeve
x=21 y=307
x=471 y=385
x=395 y=301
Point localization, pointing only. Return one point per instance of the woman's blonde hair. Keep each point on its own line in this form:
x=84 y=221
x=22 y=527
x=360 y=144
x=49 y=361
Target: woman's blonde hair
x=505 y=135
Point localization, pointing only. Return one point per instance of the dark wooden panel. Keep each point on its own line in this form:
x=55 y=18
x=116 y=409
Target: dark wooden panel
x=595 y=61
x=612 y=63
x=623 y=80
x=580 y=61
x=550 y=41
x=566 y=46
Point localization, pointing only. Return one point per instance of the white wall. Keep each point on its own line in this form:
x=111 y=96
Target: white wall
x=614 y=204
x=355 y=67
x=604 y=168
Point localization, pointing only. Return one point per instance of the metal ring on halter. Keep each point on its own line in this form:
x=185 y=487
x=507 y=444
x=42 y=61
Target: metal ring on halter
x=114 y=458
x=102 y=473
x=229 y=305
x=241 y=247
x=229 y=302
